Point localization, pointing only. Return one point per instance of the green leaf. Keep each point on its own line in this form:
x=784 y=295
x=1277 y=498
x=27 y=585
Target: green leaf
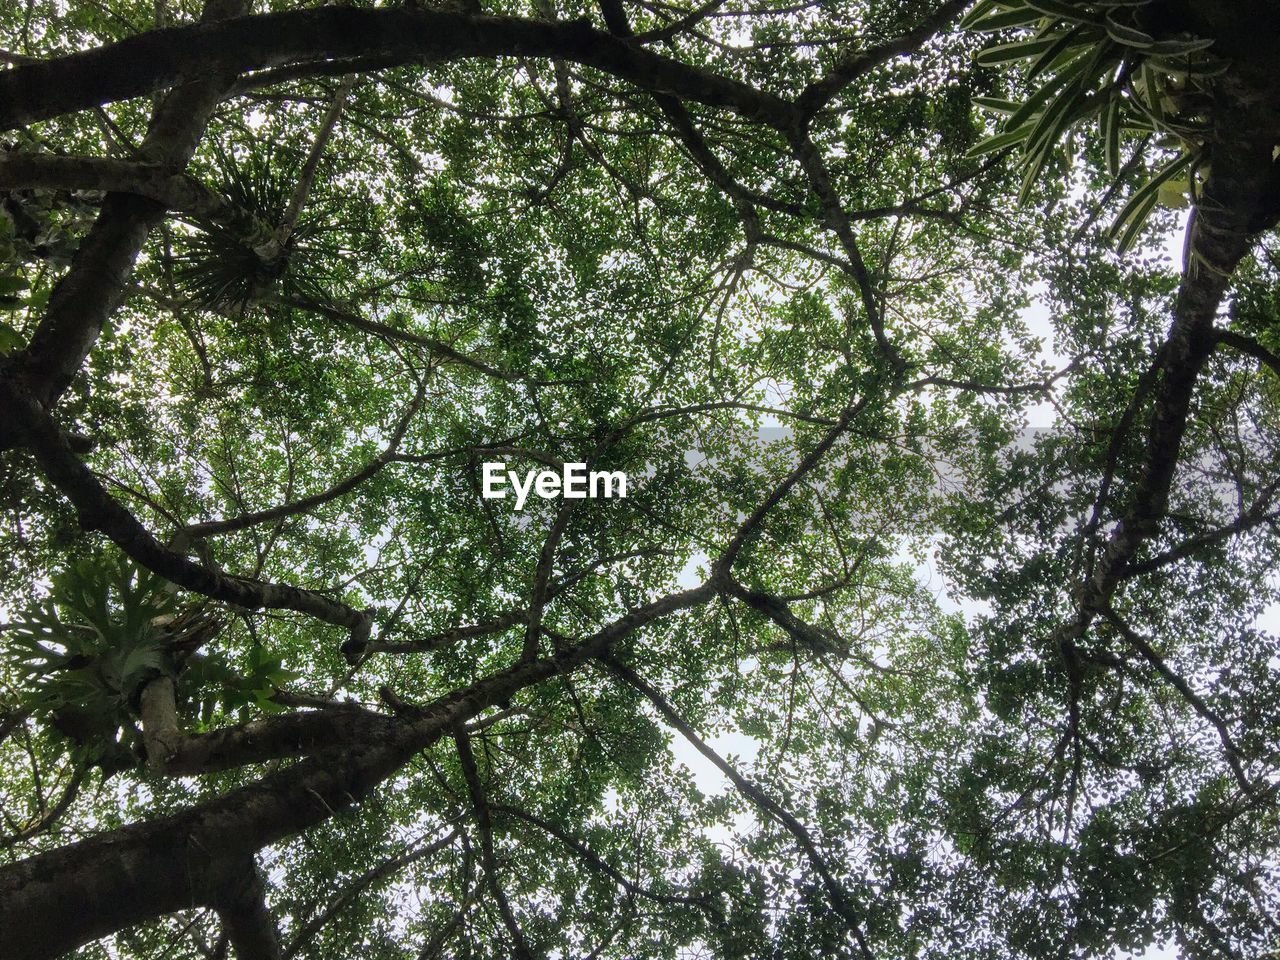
x=1179 y=48
x=1129 y=36
x=1173 y=194
x=1070 y=12
x=12 y=284
x=10 y=339
x=1111 y=132
x=1043 y=93
x=1016 y=50
x=1007 y=19
x=1069 y=40
x=997 y=105
x=1134 y=213
x=999 y=141
x=979 y=11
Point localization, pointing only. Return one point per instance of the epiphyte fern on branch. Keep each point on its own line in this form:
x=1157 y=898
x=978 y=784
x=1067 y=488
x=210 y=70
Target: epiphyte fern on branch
x=227 y=266
x=86 y=650
x=1104 y=63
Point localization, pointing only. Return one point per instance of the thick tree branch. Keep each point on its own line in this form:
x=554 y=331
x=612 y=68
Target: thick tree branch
x=818 y=641
x=174 y=753
x=446 y=637
x=155 y=181
x=274 y=247
x=94 y=286
x=1220 y=234
x=164 y=58
x=99 y=511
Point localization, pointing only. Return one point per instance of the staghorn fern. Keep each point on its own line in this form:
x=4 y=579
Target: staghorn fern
x=86 y=650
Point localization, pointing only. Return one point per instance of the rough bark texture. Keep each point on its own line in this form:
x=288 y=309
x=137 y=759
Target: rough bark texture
x=172 y=752
x=59 y=900
x=94 y=286
x=162 y=58
x=153 y=181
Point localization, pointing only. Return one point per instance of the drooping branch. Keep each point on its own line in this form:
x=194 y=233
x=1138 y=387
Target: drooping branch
x=750 y=526
x=1230 y=749
x=432 y=345
x=837 y=220
x=1260 y=512
x=1250 y=347
x=484 y=824
x=50 y=817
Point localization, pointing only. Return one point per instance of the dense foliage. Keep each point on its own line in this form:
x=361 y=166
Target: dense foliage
x=953 y=502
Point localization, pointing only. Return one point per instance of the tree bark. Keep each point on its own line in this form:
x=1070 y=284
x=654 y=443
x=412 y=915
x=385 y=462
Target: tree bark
x=158 y=59
x=56 y=901
x=94 y=287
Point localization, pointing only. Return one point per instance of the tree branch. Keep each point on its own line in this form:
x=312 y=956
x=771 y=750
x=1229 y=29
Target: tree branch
x=173 y=753
x=483 y=822
x=603 y=866
x=836 y=894
x=94 y=286
x=62 y=898
x=152 y=61
x=854 y=64
x=1248 y=345
x=242 y=907
x=341 y=900
x=305 y=504
x=99 y=511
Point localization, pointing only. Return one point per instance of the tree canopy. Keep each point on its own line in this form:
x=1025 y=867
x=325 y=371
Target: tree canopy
x=863 y=296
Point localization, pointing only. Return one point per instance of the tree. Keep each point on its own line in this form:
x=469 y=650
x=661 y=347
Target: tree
x=279 y=681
